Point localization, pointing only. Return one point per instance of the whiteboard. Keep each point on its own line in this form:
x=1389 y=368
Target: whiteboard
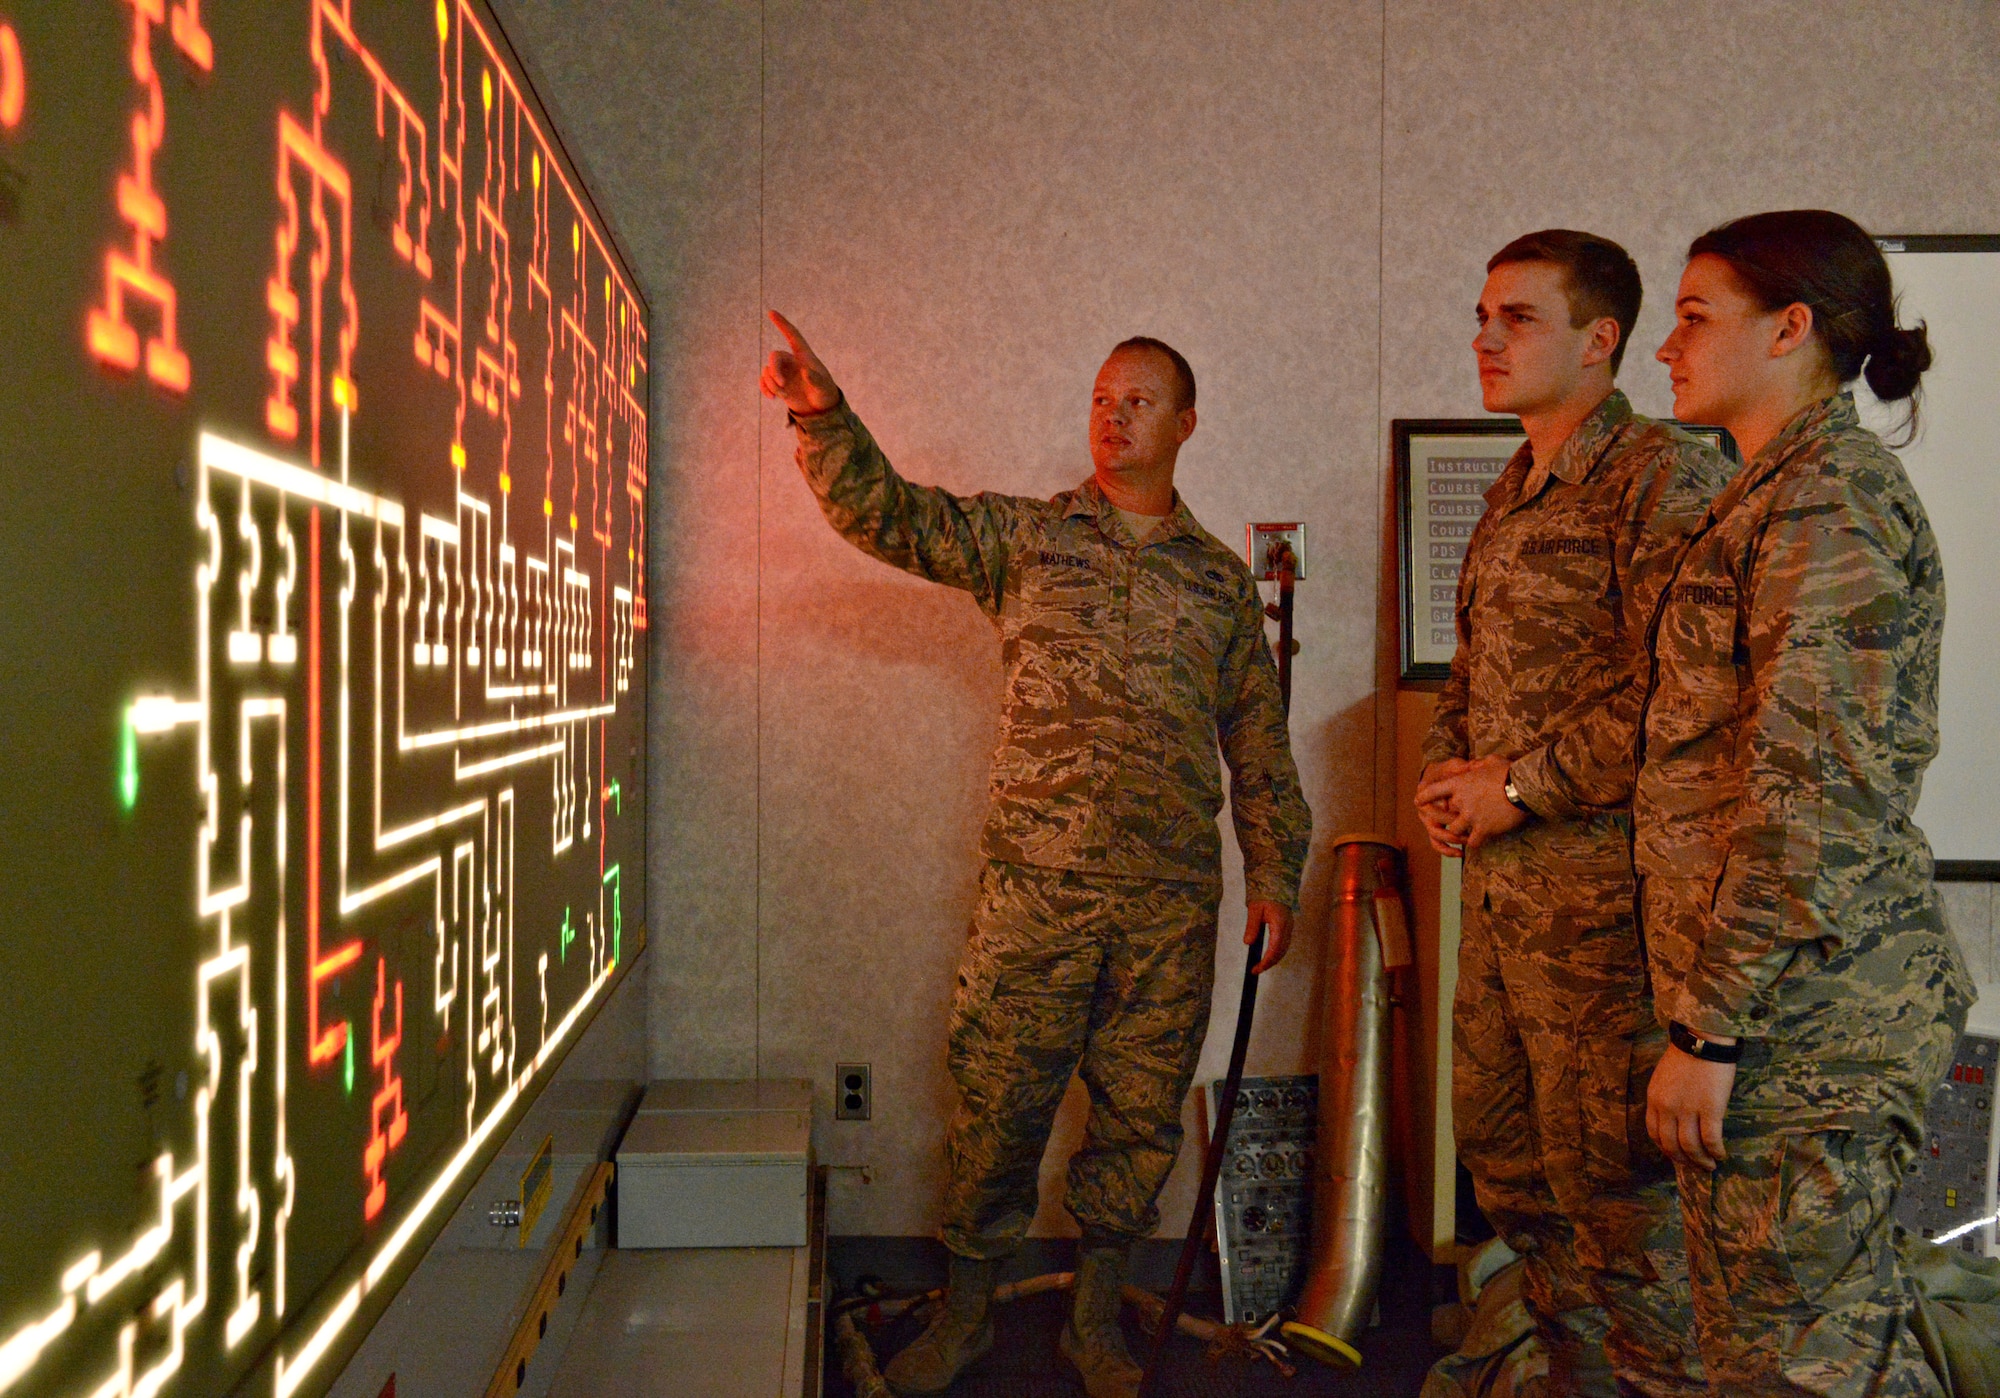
x=1953 y=285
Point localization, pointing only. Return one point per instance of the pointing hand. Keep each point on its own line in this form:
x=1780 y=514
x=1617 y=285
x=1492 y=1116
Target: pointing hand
x=796 y=377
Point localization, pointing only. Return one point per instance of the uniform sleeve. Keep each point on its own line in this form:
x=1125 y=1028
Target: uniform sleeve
x=1273 y=824
x=1588 y=766
x=1828 y=607
x=959 y=540
x=1448 y=736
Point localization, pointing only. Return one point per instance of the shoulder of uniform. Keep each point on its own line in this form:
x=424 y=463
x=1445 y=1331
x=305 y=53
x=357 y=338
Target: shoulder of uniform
x=1667 y=446
x=1854 y=475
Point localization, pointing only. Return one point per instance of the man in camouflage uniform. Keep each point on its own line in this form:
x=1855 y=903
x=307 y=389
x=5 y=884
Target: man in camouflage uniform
x=1133 y=643
x=1788 y=904
x=1529 y=772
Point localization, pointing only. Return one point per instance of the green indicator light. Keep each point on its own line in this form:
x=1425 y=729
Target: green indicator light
x=568 y=936
x=611 y=877
x=128 y=763
x=617 y=803
x=347 y=1065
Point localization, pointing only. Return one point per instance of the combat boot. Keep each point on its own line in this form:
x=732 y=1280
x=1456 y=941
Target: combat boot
x=960 y=1333
x=1093 y=1340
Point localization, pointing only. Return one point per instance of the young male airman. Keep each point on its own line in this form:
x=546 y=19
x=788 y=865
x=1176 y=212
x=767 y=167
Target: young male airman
x=1529 y=775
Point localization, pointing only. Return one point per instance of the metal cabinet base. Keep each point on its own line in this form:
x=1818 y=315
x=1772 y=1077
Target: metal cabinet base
x=714 y=1180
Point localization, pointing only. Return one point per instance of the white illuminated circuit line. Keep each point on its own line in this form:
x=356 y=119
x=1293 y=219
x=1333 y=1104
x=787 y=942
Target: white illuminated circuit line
x=25 y=1345
x=400 y=834
x=157 y=713
x=290 y=1374
x=473 y=732
x=402 y=878
x=1964 y=1228
x=220 y=454
x=512 y=759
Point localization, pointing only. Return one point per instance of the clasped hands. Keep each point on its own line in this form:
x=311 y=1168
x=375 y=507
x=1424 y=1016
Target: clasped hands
x=1464 y=804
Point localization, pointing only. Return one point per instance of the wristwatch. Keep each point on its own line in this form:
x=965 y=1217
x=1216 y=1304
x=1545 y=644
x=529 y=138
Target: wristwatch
x=1707 y=1050
x=1513 y=794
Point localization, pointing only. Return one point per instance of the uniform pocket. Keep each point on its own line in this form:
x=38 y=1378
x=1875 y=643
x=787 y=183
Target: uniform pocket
x=1834 y=1220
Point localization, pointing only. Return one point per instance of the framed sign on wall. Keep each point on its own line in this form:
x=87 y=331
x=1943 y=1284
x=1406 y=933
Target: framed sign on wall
x=1444 y=467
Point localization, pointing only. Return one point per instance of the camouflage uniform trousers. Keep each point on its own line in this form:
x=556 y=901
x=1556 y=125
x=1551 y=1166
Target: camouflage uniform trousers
x=1798 y=1285
x=1553 y=1045
x=1071 y=972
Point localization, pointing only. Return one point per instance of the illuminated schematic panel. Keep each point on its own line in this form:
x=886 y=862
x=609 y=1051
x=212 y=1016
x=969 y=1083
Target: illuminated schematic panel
x=323 y=605
x=1952 y=1195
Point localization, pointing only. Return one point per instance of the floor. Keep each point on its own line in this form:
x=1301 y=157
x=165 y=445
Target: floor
x=1025 y=1363
x=675 y=1323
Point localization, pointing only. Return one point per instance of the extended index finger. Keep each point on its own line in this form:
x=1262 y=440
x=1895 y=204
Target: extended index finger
x=793 y=338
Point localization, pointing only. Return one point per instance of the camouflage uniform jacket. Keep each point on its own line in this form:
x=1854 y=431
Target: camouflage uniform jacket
x=1124 y=667
x=1559 y=580
x=1791 y=712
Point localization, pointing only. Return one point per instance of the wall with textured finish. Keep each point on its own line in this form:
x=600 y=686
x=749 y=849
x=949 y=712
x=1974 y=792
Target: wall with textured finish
x=1648 y=123
x=964 y=207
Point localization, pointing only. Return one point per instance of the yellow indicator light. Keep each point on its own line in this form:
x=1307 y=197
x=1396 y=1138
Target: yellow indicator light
x=444 y=22
x=486 y=88
x=535 y=169
x=458 y=456
x=572 y=521
x=548 y=507
x=506 y=483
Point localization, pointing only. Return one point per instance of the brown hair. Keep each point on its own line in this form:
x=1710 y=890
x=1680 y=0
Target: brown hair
x=1827 y=263
x=1600 y=277
x=1183 y=375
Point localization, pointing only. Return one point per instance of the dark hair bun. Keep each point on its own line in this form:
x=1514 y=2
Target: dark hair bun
x=1896 y=361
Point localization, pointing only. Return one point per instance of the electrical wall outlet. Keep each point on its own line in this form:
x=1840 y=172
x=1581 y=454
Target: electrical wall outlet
x=1258 y=549
x=853 y=1100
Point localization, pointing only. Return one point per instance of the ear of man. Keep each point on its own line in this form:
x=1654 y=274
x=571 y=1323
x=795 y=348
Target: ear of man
x=1603 y=342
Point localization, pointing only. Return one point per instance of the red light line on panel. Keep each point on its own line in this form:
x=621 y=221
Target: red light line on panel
x=389 y=1097
x=13 y=79
x=510 y=89
x=451 y=169
x=321 y=1047
x=108 y=331
x=191 y=37
x=412 y=248
x=436 y=340
x=300 y=148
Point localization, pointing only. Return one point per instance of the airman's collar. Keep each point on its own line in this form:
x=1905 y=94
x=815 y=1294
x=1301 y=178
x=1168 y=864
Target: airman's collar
x=1575 y=458
x=1090 y=500
x=1834 y=413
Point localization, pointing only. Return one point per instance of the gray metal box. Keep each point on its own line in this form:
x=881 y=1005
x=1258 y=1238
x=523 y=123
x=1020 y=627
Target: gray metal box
x=731 y=1095
x=714 y=1180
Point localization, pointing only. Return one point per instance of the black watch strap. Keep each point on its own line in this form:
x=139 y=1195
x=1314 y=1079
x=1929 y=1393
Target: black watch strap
x=1692 y=1044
